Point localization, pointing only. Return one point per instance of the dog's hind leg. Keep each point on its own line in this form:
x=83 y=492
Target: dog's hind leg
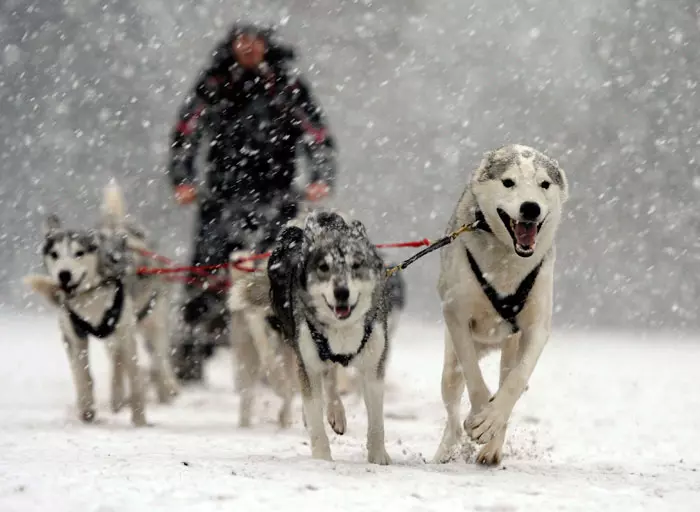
x=492 y=452
x=155 y=330
x=247 y=364
x=312 y=398
x=78 y=356
x=335 y=412
x=288 y=370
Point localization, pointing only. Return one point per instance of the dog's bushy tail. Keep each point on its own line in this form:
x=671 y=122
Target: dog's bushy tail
x=113 y=205
x=282 y=269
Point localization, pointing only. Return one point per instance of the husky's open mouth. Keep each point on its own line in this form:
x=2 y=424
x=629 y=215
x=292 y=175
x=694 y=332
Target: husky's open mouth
x=69 y=288
x=523 y=233
x=342 y=312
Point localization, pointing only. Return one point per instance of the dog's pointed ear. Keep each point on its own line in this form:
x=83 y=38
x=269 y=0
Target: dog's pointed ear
x=51 y=223
x=562 y=181
x=44 y=286
x=357 y=228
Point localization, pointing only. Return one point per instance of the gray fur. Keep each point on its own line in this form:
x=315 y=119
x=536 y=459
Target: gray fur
x=306 y=265
x=497 y=162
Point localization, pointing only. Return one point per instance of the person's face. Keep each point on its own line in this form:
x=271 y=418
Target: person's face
x=249 y=50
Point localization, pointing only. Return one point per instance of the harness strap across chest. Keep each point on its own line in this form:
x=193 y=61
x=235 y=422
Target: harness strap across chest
x=109 y=321
x=324 y=350
x=507 y=306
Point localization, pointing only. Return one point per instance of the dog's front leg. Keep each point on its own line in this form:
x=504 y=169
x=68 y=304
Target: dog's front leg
x=461 y=364
x=335 y=412
x=117 y=391
x=247 y=364
x=491 y=453
x=155 y=330
x=489 y=423
x=312 y=398
x=127 y=341
x=77 y=349
x=373 y=391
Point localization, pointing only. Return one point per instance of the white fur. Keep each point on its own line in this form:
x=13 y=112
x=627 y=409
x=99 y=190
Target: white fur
x=90 y=301
x=473 y=327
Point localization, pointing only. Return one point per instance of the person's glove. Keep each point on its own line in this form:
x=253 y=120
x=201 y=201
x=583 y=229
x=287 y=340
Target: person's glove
x=185 y=194
x=317 y=191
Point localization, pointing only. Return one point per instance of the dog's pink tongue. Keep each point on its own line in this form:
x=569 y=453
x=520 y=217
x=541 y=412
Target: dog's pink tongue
x=342 y=312
x=526 y=233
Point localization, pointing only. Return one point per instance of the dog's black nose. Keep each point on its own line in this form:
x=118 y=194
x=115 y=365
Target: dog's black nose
x=65 y=277
x=530 y=211
x=341 y=293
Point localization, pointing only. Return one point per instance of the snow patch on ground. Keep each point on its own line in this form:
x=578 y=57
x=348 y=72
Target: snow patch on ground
x=610 y=423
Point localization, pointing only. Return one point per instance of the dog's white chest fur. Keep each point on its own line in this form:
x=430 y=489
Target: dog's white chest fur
x=92 y=306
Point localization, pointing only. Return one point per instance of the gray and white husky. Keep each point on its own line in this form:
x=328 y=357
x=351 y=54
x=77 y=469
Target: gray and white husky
x=496 y=288
x=260 y=352
x=91 y=280
x=329 y=301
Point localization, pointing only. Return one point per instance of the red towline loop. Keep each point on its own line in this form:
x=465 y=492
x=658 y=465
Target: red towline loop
x=205 y=271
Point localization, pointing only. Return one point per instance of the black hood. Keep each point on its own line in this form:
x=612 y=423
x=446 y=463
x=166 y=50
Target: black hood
x=277 y=52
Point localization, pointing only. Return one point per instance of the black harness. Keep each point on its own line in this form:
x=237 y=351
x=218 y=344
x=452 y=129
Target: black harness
x=507 y=306
x=324 y=350
x=147 y=308
x=110 y=319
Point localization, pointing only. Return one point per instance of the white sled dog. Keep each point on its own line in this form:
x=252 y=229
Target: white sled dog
x=91 y=280
x=496 y=285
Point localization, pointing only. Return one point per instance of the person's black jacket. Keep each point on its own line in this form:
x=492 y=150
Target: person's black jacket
x=254 y=122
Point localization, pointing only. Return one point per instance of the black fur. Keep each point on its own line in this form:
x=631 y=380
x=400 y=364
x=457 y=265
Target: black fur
x=284 y=268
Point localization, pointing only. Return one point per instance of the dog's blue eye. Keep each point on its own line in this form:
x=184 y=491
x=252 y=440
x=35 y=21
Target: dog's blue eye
x=545 y=185
x=508 y=183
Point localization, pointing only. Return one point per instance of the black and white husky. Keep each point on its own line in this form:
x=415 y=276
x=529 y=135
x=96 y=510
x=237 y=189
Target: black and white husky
x=91 y=279
x=329 y=300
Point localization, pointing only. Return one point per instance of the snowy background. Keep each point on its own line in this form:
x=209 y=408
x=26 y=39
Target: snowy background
x=416 y=91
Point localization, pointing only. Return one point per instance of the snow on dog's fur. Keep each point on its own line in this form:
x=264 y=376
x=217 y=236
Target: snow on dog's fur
x=329 y=301
x=496 y=288
x=91 y=281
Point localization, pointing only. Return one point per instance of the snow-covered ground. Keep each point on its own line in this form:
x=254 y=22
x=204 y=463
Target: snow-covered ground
x=609 y=423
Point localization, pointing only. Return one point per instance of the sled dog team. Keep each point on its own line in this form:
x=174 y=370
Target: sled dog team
x=322 y=305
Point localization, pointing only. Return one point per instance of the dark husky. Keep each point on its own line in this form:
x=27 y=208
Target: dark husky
x=329 y=301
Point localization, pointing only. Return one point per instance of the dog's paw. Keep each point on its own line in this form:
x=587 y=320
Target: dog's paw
x=378 y=456
x=492 y=453
x=487 y=424
x=118 y=403
x=284 y=417
x=322 y=453
x=138 y=419
x=167 y=392
x=336 y=417
x=87 y=416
